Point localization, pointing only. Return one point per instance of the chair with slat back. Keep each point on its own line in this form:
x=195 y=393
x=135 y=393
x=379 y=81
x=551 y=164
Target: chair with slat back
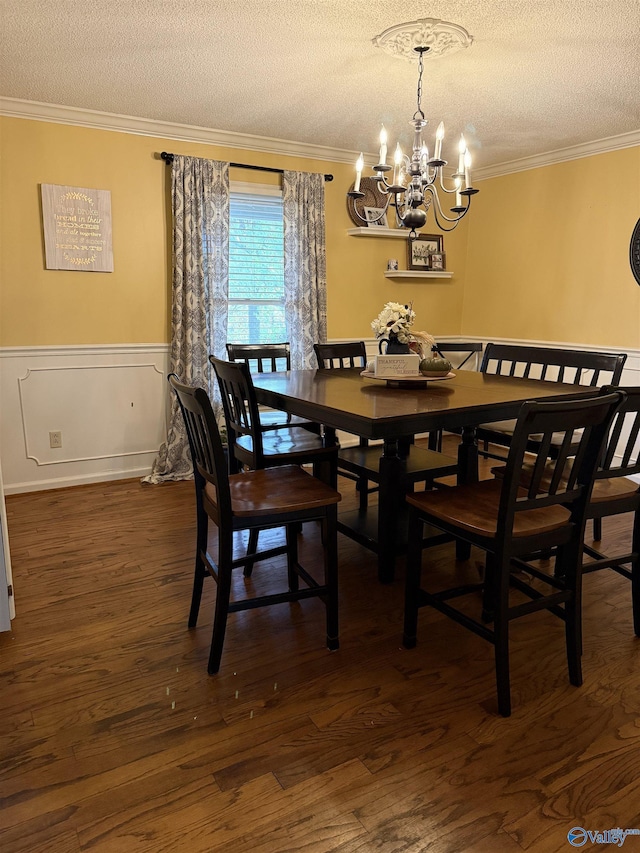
x=256 y=500
x=334 y=357
x=465 y=352
x=350 y=354
x=269 y=358
x=509 y=520
x=592 y=369
x=253 y=448
x=614 y=493
x=362 y=463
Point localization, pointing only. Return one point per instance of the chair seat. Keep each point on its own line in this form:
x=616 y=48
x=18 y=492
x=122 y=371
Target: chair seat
x=289 y=441
x=474 y=508
x=507 y=427
x=272 y=491
x=420 y=462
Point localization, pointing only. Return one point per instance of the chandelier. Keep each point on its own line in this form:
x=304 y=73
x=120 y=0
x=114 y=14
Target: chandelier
x=412 y=185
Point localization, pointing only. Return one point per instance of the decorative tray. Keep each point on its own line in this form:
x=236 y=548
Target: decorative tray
x=398 y=381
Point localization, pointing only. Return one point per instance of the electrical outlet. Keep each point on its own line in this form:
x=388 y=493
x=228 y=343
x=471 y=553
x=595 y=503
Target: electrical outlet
x=55 y=439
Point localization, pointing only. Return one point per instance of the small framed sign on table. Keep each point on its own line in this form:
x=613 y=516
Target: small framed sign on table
x=77 y=228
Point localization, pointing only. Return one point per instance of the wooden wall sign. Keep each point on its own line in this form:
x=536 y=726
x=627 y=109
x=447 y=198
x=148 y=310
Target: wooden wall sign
x=77 y=228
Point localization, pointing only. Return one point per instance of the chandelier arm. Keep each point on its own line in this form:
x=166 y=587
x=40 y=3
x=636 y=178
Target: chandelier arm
x=441 y=216
x=446 y=189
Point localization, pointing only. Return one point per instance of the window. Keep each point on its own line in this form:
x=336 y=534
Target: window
x=256 y=268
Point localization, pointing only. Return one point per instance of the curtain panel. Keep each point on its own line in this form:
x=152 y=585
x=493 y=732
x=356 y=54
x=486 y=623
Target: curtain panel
x=305 y=273
x=200 y=204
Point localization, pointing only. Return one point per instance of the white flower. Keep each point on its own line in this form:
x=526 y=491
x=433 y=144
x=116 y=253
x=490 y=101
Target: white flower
x=396 y=319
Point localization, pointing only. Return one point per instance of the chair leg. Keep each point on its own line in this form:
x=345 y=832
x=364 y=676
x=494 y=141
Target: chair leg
x=488 y=590
x=330 y=538
x=252 y=548
x=501 y=634
x=362 y=487
x=222 y=600
x=200 y=571
x=412 y=580
x=597 y=529
x=635 y=574
x=292 y=557
x=572 y=572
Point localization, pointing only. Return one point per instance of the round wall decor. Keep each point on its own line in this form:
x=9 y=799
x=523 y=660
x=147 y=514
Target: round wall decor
x=372 y=198
x=634 y=252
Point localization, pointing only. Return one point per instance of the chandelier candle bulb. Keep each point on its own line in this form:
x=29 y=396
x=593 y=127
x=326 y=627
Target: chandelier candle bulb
x=383 y=147
x=467 y=169
x=359 y=168
x=439 y=137
x=397 y=162
x=458 y=194
x=462 y=147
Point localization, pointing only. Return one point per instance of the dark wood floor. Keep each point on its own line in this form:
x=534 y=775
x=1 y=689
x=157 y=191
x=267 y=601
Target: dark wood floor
x=115 y=740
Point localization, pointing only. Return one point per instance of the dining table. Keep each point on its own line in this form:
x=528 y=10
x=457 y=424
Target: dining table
x=395 y=413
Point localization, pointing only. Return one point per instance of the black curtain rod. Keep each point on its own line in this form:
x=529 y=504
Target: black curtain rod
x=168 y=158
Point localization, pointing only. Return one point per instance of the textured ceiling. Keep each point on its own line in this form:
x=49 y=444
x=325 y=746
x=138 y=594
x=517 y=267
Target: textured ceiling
x=541 y=75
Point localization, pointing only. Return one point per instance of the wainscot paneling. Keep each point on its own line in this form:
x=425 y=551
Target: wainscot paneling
x=108 y=402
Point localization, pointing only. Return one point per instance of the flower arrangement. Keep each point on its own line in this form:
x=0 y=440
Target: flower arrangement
x=395 y=322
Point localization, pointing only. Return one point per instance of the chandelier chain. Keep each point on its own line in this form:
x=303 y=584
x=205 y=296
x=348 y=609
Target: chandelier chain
x=418 y=113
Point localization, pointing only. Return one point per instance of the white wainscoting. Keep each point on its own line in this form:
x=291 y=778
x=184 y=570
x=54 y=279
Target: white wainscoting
x=109 y=403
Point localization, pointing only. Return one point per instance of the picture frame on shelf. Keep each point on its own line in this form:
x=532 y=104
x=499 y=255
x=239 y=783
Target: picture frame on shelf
x=376 y=217
x=421 y=249
x=437 y=260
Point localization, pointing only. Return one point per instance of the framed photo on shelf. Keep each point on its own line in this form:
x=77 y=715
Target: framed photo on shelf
x=376 y=217
x=437 y=261
x=421 y=250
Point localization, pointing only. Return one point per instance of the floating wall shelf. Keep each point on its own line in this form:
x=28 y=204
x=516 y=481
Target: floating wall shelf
x=418 y=274
x=379 y=232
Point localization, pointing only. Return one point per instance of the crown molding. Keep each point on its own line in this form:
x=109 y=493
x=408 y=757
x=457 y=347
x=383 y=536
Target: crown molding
x=561 y=155
x=37 y=111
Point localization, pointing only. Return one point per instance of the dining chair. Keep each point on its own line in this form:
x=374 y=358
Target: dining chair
x=509 y=520
x=362 y=462
x=465 y=351
x=253 y=500
x=269 y=358
x=576 y=367
x=614 y=493
x=251 y=447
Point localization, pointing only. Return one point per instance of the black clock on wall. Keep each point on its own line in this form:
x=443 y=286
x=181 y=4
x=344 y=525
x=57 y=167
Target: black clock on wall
x=634 y=252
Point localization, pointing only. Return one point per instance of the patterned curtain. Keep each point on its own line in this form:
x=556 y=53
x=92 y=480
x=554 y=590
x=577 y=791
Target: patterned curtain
x=200 y=202
x=305 y=275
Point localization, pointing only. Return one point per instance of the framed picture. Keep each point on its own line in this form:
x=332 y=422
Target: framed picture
x=376 y=217
x=421 y=249
x=437 y=260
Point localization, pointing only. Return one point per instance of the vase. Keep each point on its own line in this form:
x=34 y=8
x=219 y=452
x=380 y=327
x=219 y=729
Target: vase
x=394 y=347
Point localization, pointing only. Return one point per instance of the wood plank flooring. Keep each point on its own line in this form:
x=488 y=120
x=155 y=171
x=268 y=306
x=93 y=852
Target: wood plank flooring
x=115 y=740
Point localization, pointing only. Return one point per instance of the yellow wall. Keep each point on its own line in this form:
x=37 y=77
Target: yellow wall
x=40 y=307
x=548 y=254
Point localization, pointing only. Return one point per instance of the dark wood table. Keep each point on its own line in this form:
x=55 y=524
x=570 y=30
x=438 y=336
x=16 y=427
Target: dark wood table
x=343 y=400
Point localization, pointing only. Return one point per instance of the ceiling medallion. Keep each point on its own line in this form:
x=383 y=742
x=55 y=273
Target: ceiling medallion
x=441 y=37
